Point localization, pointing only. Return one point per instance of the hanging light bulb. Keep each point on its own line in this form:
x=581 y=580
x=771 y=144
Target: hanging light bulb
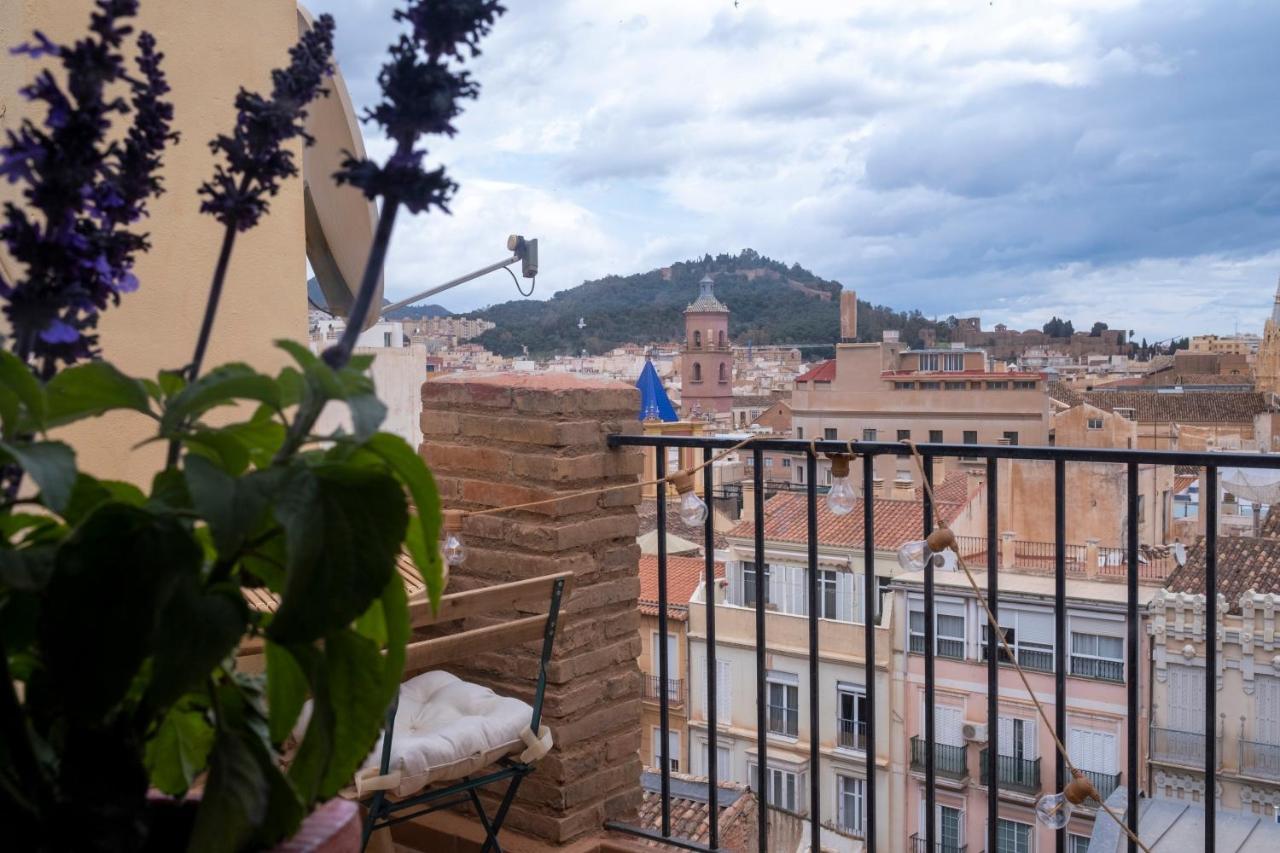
x=452 y=549
x=841 y=497
x=1054 y=810
x=912 y=555
x=693 y=510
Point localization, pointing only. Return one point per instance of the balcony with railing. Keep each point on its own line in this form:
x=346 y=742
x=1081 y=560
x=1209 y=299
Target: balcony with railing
x=1014 y=773
x=653 y=691
x=1106 y=783
x=1174 y=746
x=948 y=760
x=806 y=635
x=851 y=734
x=1260 y=760
x=920 y=844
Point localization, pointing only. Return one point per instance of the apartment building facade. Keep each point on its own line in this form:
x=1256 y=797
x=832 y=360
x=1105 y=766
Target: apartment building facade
x=1097 y=672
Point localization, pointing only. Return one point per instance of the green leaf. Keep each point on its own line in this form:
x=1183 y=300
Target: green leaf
x=92 y=389
x=416 y=477
x=196 y=628
x=9 y=407
x=100 y=607
x=169 y=491
x=232 y=507
x=286 y=690
x=354 y=665
x=171 y=382
x=219 y=446
x=52 y=465
x=219 y=387
x=179 y=750
x=343 y=525
x=17 y=378
x=395 y=614
x=26 y=569
x=88 y=493
x=262 y=435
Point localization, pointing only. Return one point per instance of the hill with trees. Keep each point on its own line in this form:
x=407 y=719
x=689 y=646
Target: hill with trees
x=769 y=303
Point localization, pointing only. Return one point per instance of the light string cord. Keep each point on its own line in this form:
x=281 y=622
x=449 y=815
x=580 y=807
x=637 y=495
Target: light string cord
x=1012 y=659
x=607 y=489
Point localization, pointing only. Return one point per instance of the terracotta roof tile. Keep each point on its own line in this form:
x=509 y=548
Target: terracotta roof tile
x=824 y=372
x=1183 y=407
x=689 y=815
x=1244 y=563
x=896 y=521
x=683 y=576
x=648 y=513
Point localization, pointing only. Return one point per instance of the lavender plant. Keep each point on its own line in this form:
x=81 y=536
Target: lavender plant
x=121 y=610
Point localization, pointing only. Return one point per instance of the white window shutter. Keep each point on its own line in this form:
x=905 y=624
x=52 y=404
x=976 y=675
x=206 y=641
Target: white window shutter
x=724 y=691
x=845 y=595
x=1030 y=749
x=1005 y=727
x=799 y=590
x=777 y=586
x=735 y=583
x=698 y=672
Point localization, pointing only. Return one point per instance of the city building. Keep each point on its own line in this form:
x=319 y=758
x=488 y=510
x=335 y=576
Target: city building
x=1247 y=680
x=1266 y=367
x=1096 y=701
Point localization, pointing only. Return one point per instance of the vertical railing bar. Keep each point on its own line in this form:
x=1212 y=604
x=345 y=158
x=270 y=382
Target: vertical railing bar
x=815 y=788
x=1211 y=658
x=762 y=721
x=709 y=546
x=871 y=598
x=1060 y=624
x=930 y=638
x=664 y=710
x=993 y=661
x=1132 y=666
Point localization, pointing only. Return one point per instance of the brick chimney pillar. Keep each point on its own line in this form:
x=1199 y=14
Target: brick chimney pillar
x=503 y=439
x=848 y=316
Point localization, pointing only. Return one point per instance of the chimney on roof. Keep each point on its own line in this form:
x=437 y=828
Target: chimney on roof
x=848 y=316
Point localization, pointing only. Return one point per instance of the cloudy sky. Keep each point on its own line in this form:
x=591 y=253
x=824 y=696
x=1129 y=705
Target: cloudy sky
x=1099 y=159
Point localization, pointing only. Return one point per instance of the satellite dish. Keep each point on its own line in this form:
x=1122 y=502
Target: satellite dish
x=1179 y=553
x=582 y=322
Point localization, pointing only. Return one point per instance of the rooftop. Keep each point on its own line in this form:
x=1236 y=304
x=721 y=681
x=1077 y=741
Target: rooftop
x=822 y=372
x=896 y=521
x=1244 y=563
x=683 y=576
x=1185 y=406
x=690 y=808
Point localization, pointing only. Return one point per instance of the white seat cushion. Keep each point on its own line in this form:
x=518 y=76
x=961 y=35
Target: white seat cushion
x=446 y=728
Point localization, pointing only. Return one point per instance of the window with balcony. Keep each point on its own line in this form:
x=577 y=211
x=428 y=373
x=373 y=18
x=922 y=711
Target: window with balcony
x=1094 y=754
x=851 y=720
x=785 y=787
x=1029 y=635
x=784 y=703
x=953 y=362
x=928 y=362
x=1077 y=843
x=749 y=579
x=672 y=685
x=948 y=830
x=1012 y=836
x=1096 y=655
x=724 y=687
x=673 y=747
x=948 y=629
x=851 y=803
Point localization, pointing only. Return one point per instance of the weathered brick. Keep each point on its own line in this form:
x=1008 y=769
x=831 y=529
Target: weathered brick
x=437 y=422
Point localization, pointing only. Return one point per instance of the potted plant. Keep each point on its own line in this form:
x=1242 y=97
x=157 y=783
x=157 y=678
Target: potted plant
x=121 y=609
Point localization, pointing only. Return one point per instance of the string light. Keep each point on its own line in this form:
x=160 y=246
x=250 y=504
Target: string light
x=840 y=498
x=913 y=555
x=452 y=549
x=1054 y=810
x=693 y=509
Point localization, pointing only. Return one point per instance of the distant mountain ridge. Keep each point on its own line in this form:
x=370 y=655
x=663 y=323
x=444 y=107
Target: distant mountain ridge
x=315 y=296
x=769 y=303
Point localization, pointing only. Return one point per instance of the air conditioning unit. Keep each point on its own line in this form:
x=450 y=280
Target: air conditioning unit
x=974 y=732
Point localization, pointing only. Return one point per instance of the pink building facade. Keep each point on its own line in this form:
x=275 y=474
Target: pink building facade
x=1096 y=732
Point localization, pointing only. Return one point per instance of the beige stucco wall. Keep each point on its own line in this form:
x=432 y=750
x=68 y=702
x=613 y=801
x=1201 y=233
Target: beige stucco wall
x=212 y=48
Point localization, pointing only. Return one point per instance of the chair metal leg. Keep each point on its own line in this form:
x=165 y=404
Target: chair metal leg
x=375 y=812
x=501 y=815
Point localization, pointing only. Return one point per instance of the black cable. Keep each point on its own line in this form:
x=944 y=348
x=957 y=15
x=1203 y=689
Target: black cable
x=517 y=281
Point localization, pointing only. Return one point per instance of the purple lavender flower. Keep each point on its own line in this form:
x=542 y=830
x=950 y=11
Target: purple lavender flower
x=256 y=159
x=82 y=189
x=422 y=94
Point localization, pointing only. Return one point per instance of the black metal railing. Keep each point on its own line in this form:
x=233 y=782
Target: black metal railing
x=1099 y=668
x=1106 y=783
x=1015 y=774
x=1178 y=747
x=653 y=689
x=1260 y=759
x=920 y=844
x=851 y=734
x=948 y=760
x=932 y=762
x=1039 y=660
